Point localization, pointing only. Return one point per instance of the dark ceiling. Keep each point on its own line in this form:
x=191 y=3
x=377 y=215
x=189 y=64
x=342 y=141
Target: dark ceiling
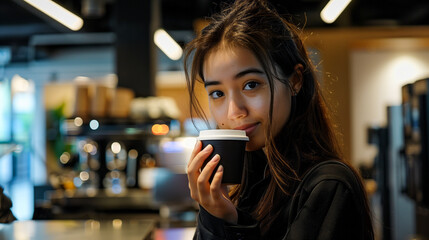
x=18 y=21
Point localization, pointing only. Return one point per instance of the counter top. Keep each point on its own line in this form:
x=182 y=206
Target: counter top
x=78 y=230
x=175 y=233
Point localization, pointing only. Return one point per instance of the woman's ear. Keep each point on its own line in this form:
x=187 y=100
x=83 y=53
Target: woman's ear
x=296 y=79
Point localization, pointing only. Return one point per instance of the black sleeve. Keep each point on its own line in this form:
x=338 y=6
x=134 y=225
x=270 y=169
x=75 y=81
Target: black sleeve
x=210 y=227
x=6 y=215
x=329 y=212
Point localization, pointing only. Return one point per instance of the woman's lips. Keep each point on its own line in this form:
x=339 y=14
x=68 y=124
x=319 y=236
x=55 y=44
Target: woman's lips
x=249 y=128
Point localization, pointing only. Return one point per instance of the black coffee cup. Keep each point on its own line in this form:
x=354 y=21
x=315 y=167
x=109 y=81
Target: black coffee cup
x=230 y=145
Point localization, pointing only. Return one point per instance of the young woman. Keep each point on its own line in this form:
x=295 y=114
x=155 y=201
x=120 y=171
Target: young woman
x=260 y=79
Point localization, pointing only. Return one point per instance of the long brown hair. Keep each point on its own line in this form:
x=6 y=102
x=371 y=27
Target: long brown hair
x=276 y=43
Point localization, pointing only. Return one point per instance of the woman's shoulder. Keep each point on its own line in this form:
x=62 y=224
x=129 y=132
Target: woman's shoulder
x=330 y=171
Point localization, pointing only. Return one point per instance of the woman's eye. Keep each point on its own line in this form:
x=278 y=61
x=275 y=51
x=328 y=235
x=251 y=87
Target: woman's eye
x=216 y=94
x=250 y=85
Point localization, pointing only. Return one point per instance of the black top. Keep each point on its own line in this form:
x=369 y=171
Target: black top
x=327 y=204
x=6 y=215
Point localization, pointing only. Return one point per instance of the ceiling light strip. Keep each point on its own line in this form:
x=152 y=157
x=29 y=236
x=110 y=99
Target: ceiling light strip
x=333 y=9
x=167 y=44
x=57 y=12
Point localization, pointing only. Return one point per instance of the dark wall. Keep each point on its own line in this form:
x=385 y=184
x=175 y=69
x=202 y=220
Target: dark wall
x=135 y=51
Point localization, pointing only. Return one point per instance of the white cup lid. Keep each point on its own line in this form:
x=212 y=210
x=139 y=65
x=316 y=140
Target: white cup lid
x=223 y=134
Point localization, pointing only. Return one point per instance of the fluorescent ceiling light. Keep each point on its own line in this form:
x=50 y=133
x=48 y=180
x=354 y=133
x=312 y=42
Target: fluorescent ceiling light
x=20 y=84
x=333 y=9
x=167 y=44
x=58 y=13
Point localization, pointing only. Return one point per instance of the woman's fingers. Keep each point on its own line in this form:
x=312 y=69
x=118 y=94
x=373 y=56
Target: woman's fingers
x=212 y=196
x=197 y=161
x=215 y=186
x=194 y=165
x=202 y=190
x=203 y=180
x=197 y=149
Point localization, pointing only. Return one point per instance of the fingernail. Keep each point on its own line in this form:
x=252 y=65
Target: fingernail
x=220 y=168
x=216 y=158
x=208 y=147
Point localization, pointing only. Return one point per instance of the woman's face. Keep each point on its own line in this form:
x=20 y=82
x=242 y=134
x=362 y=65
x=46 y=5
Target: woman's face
x=239 y=94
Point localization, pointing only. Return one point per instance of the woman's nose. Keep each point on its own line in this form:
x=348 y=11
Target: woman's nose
x=236 y=108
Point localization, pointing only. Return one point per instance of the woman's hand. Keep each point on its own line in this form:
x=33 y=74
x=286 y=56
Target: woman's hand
x=212 y=197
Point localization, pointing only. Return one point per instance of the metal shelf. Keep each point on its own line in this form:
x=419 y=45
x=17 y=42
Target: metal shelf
x=119 y=128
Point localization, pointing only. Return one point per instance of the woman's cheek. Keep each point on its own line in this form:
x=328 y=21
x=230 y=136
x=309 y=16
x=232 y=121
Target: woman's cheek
x=219 y=116
x=260 y=105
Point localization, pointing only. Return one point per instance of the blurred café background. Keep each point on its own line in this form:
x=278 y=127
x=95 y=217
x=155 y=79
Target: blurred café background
x=94 y=113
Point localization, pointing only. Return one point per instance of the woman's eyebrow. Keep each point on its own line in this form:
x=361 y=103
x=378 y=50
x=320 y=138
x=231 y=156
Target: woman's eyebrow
x=210 y=83
x=238 y=75
x=248 y=71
